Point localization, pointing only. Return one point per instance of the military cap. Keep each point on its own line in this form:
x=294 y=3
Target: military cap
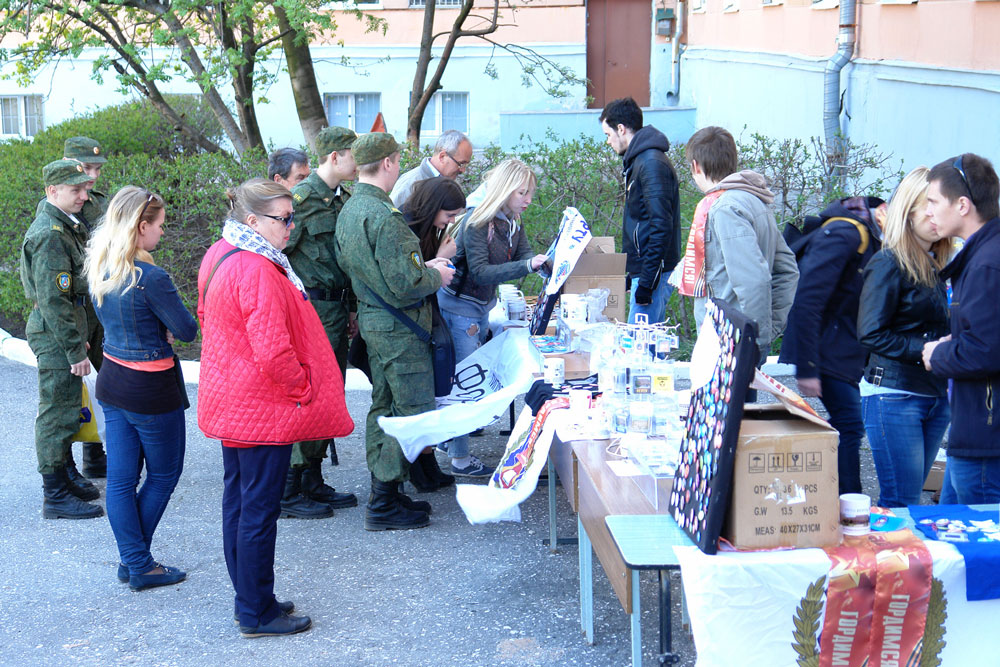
x=373 y=146
x=84 y=149
x=332 y=139
x=64 y=172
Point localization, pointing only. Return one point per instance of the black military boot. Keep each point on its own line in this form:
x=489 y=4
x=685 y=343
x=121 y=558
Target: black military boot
x=385 y=512
x=314 y=488
x=411 y=504
x=428 y=462
x=297 y=506
x=77 y=484
x=95 y=463
x=59 y=503
x=419 y=478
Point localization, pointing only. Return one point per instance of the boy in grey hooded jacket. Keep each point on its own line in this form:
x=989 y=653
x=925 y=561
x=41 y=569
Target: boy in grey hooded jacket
x=747 y=262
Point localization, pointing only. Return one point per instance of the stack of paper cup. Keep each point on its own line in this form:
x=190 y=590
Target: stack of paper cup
x=513 y=303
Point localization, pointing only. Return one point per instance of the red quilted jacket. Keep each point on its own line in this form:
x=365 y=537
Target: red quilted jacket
x=268 y=373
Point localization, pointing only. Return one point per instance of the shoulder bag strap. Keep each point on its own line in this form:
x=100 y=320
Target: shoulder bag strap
x=421 y=333
x=216 y=268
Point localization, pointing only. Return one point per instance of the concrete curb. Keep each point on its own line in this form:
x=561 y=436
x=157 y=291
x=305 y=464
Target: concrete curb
x=16 y=349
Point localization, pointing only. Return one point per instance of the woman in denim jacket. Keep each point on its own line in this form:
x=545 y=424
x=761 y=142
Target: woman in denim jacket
x=140 y=386
x=903 y=305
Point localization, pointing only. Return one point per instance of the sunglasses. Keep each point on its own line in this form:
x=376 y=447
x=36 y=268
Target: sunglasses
x=957 y=164
x=287 y=219
x=149 y=198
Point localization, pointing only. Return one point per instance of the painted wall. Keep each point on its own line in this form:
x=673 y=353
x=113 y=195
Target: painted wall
x=920 y=113
x=68 y=89
x=517 y=127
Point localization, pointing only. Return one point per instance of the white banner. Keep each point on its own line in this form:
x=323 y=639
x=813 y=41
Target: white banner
x=491 y=503
x=574 y=235
x=487 y=381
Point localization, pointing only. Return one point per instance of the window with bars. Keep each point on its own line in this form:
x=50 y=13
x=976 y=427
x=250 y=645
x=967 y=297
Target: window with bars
x=20 y=115
x=446 y=111
x=354 y=110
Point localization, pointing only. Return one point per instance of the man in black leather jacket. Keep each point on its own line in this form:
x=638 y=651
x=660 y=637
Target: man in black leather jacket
x=652 y=235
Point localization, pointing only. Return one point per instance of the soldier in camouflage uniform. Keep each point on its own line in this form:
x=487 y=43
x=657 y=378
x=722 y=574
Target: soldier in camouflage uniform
x=318 y=200
x=376 y=248
x=89 y=153
x=52 y=256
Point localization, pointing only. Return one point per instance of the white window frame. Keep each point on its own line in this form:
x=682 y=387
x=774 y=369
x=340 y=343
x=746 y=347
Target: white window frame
x=420 y=4
x=352 y=115
x=22 y=115
x=353 y=4
x=439 y=110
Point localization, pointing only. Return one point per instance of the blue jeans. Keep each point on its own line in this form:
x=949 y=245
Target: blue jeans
x=904 y=432
x=251 y=502
x=468 y=333
x=975 y=481
x=656 y=309
x=843 y=401
x=132 y=437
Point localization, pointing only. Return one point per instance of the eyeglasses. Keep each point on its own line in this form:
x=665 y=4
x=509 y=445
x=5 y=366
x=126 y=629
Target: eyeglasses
x=957 y=164
x=461 y=165
x=287 y=219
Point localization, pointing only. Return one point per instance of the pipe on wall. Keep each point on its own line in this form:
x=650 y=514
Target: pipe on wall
x=846 y=39
x=676 y=49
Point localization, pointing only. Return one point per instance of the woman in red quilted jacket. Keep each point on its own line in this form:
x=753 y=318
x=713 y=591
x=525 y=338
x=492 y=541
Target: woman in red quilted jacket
x=268 y=378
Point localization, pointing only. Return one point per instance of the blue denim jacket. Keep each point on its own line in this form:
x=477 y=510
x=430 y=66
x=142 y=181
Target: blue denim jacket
x=136 y=320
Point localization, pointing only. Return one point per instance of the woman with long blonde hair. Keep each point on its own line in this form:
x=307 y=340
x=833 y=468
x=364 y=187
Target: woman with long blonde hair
x=139 y=385
x=492 y=249
x=903 y=305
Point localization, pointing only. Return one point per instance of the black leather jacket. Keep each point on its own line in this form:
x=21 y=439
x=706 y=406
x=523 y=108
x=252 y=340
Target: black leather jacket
x=897 y=316
x=652 y=233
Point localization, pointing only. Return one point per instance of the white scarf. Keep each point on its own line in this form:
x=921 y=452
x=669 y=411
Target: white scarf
x=246 y=238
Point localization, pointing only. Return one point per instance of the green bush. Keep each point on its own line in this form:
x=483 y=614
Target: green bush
x=143 y=150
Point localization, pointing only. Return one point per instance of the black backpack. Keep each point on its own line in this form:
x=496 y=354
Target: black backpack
x=798 y=236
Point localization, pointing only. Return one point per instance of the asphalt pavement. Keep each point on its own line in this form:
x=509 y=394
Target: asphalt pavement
x=448 y=594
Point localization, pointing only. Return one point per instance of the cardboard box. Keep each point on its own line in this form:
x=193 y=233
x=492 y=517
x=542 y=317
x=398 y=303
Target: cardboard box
x=935 y=478
x=601 y=266
x=785 y=487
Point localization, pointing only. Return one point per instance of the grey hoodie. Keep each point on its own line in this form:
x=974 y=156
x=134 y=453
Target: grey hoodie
x=747 y=262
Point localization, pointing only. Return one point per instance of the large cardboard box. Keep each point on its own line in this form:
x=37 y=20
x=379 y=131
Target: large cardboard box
x=601 y=266
x=785 y=486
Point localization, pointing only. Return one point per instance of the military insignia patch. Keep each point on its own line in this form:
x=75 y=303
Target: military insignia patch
x=415 y=258
x=395 y=210
x=297 y=197
x=63 y=281
x=57 y=228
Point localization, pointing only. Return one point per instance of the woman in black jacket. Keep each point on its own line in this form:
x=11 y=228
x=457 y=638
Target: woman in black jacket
x=904 y=305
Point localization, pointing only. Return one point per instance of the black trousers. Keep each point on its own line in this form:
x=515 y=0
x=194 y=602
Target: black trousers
x=251 y=502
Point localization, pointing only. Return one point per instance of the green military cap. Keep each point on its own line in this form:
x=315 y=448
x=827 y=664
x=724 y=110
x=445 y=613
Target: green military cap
x=64 y=172
x=332 y=139
x=84 y=149
x=373 y=146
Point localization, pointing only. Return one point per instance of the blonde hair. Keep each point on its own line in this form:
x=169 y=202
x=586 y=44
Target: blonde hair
x=906 y=208
x=112 y=250
x=253 y=196
x=501 y=182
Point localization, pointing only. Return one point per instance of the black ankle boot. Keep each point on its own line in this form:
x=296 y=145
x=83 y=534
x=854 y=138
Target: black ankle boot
x=384 y=511
x=411 y=504
x=59 y=503
x=95 y=463
x=314 y=488
x=77 y=484
x=419 y=478
x=297 y=506
x=428 y=462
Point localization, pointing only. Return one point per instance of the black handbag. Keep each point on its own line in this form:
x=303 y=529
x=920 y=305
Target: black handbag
x=439 y=337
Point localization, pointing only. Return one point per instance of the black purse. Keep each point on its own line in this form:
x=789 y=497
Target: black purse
x=439 y=337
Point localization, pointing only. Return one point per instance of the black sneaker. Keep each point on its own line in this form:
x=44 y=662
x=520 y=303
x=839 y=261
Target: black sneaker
x=283 y=624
